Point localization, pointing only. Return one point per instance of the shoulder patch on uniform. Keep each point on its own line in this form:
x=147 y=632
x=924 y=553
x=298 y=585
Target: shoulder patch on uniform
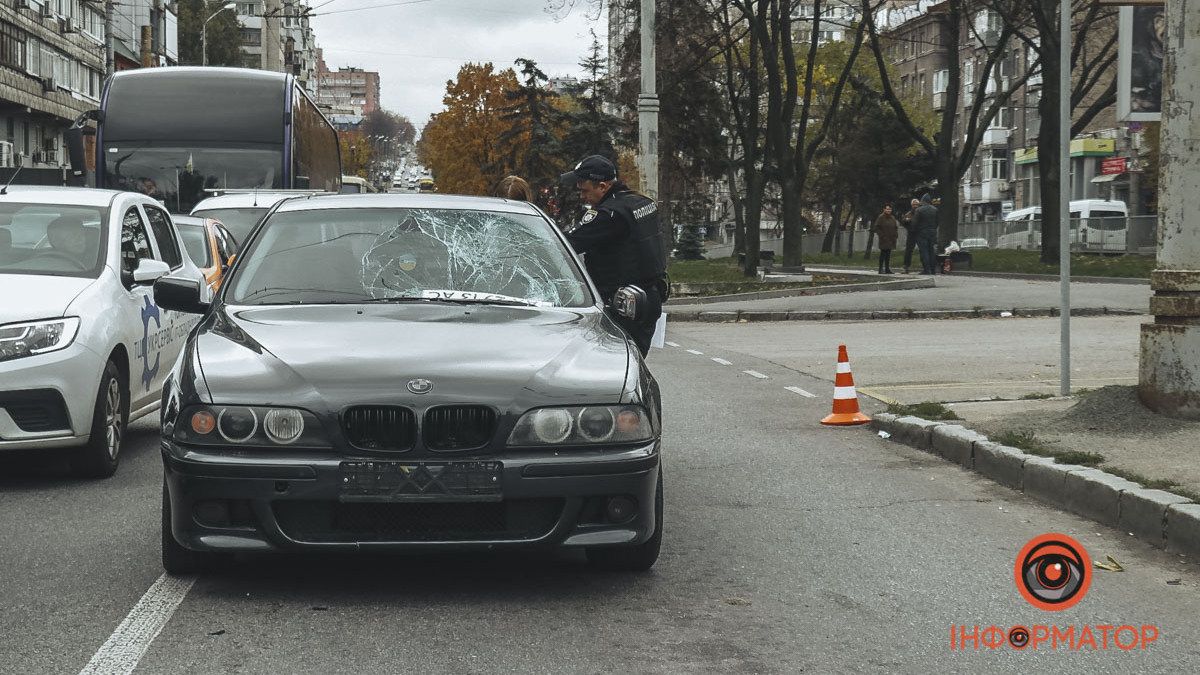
x=589 y=216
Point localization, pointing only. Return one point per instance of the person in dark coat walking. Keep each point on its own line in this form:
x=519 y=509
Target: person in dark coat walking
x=887 y=231
x=925 y=225
x=910 y=235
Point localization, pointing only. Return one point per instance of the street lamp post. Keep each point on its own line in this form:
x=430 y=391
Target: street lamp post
x=204 y=33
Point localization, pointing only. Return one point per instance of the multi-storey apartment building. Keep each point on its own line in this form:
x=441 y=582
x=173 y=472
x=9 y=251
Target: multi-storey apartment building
x=1004 y=173
x=51 y=70
x=350 y=90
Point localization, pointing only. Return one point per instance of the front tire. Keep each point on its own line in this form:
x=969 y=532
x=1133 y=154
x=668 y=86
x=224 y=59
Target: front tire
x=110 y=417
x=175 y=558
x=638 y=558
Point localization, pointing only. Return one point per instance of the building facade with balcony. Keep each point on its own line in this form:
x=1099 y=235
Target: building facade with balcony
x=1004 y=173
x=51 y=71
x=347 y=91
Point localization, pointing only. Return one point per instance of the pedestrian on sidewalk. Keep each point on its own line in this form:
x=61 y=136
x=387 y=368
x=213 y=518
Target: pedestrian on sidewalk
x=910 y=235
x=925 y=225
x=887 y=231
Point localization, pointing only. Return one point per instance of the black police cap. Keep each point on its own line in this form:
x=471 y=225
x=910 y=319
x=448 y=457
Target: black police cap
x=594 y=167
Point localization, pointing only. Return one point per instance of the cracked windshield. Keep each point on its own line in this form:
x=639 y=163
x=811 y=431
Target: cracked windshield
x=599 y=336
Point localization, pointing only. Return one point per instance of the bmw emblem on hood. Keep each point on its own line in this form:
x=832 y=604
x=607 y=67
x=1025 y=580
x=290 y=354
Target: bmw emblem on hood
x=420 y=386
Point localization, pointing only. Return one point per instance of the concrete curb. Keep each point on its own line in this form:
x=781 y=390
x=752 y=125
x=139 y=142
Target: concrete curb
x=744 y=316
x=895 y=285
x=1157 y=517
x=1133 y=281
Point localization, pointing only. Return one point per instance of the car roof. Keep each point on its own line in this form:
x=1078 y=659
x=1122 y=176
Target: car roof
x=400 y=200
x=77 y=196
x=264 y=199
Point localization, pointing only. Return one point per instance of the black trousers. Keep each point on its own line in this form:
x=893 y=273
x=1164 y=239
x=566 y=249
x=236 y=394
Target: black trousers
x=885 y=260
x=927 y=245
x=910 y=242
x=642 y=331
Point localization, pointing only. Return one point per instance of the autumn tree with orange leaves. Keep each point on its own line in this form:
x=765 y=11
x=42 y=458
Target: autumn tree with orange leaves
x=462 y=145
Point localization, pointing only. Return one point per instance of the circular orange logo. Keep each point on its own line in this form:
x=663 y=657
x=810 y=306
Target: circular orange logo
x=1053 y=572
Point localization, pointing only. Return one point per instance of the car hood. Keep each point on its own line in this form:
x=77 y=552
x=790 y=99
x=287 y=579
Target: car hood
x=330 y=356
x=37 y=296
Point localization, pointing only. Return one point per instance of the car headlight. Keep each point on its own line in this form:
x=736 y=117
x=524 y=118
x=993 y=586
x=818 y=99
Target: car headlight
x=18 y=340
x=249 y=426
x=582 y=425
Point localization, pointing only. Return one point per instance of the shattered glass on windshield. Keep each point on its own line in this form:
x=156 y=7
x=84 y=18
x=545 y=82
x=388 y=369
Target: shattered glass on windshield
x=471 y=251
x=432 y=254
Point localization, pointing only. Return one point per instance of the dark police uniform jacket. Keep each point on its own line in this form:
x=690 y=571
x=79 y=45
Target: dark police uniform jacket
x=622 y=242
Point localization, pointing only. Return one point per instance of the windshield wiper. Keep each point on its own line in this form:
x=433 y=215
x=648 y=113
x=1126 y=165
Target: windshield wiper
x=481 y=299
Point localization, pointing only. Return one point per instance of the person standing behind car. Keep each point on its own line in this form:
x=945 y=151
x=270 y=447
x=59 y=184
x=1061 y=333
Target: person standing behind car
x=910 y=235
x=514 y=187
x=887 y=231
x=925 y=224
x=620 y=239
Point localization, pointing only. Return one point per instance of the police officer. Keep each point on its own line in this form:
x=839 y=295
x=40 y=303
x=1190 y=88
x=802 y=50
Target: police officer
x=620 y=239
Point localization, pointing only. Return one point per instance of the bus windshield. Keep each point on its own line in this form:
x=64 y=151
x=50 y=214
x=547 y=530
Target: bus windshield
x=178 y=176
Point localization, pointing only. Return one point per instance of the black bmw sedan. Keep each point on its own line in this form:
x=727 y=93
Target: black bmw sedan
x=407 y=372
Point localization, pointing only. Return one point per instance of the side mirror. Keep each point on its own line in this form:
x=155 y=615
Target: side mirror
x=149 y=270
x=180 y=295
x=75 y=150
x=630 y=302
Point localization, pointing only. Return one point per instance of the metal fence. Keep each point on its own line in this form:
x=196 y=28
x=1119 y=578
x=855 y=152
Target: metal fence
x=1135 y=234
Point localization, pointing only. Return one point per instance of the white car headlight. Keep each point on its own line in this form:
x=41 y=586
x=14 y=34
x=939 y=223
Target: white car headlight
x=582 y=425
x=18 y=340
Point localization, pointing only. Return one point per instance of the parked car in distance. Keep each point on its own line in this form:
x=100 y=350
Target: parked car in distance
x=84 y=348
x=210 y=246
x=973 y=243
x=487 y=401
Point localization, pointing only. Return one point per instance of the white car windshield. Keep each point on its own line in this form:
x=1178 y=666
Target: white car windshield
x=52 y=240
x=418 y=255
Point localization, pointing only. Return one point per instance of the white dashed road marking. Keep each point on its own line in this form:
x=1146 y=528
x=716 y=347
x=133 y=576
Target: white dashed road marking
x=798 y=390
x=671 y=344
x=755 y=373
x=723 y=362
x=693 y=351
x=129 y=642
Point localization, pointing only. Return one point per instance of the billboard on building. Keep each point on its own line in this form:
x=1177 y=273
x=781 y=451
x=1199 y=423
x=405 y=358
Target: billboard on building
x=1140 y=63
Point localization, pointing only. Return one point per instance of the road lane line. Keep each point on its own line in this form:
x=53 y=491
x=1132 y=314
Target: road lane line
x=671 y=344
x=723 y=362
x=693 y=351
x=798 y=390
x=755 y=373
x=129 y=642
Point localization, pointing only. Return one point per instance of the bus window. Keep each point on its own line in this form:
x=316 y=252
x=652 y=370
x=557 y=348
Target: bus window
x=316 y=146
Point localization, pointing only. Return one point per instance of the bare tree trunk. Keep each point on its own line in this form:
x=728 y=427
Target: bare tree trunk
x=837 y=228
x=739 y=218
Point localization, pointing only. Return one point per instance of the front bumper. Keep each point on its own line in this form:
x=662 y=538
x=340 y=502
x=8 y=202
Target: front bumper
x=295 y=502
x=73 y=373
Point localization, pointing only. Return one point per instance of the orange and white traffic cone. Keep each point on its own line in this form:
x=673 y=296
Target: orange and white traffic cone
x=845 y=398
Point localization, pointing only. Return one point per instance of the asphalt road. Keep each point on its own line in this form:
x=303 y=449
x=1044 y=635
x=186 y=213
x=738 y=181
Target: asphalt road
x=938 y=359
x=953 y=292
x=789 y=547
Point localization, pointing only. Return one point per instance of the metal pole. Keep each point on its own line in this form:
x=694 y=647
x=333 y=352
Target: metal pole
x=109 y=61
x=1064 y=195
x=648 y=106
x=204 y=44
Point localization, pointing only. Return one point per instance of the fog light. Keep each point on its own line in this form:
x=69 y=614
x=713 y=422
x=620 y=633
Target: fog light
x=212 y=513
x=620 y=509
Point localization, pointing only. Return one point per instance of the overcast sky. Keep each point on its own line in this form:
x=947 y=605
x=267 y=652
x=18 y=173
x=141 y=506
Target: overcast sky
x=417 y=47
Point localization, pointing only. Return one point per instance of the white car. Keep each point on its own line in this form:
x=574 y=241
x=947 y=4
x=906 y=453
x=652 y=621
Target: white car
x=84 y=348
x=240 y=210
